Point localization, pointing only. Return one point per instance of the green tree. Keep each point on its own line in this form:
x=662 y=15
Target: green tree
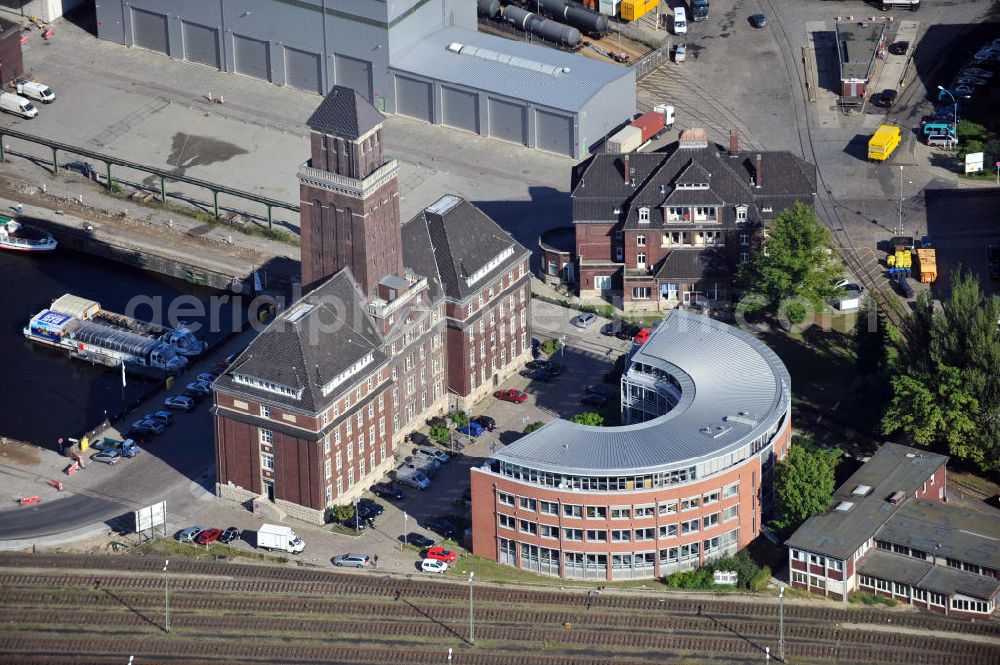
x=441 y=434
x=341 y=513
x=460 y=418
x=804 y=483
x=531 y=427
x=550 y=346
x=588 y=418
x=931 y=411
x=797 y=268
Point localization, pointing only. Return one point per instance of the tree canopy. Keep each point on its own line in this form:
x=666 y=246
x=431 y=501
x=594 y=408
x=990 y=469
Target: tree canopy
x=531 y=427
x=945 y=386
x=804 y=483
x=796 y=266
x=588 y=418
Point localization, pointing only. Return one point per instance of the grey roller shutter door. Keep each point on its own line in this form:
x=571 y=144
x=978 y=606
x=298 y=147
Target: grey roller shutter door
x=460 y=108
x=354 y=73
x=149 y=30
x=507 y=121
x=554 y=133
x=413 y=98
x=201 y=44
x=252 y=58
x=302 y=70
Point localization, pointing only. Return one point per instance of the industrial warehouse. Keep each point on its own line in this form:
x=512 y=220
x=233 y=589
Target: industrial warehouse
x=686 y=479
x=420 y=58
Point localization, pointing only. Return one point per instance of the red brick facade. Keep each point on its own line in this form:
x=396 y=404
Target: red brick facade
x=11 y=61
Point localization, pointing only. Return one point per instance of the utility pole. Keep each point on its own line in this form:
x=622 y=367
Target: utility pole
x=781 y=623
x=472 y=625
x=166 y=596
x=899 y=226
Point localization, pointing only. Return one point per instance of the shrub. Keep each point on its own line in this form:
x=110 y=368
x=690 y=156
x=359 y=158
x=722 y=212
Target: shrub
x=441 y=434
x=341 y=513
x=872 y=599
x=588 y=418
x=460 y=418
x=531 y=427
x=759 y=581
x=550 y=346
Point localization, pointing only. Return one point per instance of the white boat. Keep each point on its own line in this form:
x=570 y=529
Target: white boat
x=24 y=238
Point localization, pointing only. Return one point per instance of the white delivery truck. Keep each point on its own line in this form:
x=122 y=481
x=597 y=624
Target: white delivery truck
x=279 y=537
x=34 y=90
x=17 y=105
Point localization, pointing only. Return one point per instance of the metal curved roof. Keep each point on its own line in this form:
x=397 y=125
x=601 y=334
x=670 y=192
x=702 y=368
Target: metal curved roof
x=734 y=389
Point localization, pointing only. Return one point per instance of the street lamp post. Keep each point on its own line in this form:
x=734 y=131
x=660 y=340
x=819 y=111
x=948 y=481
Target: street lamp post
x=166 y=596
x=472 y=625
x=781 y=623
x=356 y=518
x=899 y=225
x=954 y=106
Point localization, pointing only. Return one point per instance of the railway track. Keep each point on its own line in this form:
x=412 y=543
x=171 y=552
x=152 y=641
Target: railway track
x=57 y=609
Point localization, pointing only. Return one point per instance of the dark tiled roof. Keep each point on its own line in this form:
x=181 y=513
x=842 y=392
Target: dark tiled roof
x=694 y=264
x=946 y=530
x=893 y=468
x=418 y=255
x=345 y=113
x=462 y=240
x=693 y=197
x=925 y=575
x=307 y=345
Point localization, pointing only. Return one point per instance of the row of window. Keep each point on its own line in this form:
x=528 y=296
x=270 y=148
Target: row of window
x=818 y=560
x=487 y=293
x=615 y=483
x=660 y=532
x=618 y=512
x=904 y=590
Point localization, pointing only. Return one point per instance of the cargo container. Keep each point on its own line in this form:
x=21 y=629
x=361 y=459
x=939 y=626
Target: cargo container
x=883 y=142
x=651 y=124
x=927 y=258
x=626 y=139
x=636 y=9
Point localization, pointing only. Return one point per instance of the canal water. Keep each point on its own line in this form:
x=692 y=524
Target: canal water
x=45 y=394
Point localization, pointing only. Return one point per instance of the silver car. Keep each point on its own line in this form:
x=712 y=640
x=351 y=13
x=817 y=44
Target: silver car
x=189 y=534
x=107 y=455
x=352 y=560
x=583 y=320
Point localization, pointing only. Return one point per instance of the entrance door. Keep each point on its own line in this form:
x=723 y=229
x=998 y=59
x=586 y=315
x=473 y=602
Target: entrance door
x=269 y=489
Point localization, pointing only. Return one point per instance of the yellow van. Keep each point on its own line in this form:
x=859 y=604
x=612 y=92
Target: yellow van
x=883 y=142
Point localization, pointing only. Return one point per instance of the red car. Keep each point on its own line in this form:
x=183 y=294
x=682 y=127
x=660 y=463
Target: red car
x=642 y=336
x=512 y=395
x=441 y=554
x=208 y=536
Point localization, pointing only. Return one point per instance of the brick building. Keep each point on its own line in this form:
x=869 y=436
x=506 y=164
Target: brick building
x=891 y=532
x=656 y=230
x=11 y=61
x=400 y=322
x=686 y=479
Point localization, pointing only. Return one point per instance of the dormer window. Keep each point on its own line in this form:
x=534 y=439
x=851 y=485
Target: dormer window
x=643 y=215
x=692 y=185
x=741 y=213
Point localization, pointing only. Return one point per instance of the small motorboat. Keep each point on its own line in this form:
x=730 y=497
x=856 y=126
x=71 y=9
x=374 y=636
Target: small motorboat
x=24 y=238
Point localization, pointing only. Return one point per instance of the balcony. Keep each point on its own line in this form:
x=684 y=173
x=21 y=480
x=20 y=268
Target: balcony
x=350 y=186
x=383 y=309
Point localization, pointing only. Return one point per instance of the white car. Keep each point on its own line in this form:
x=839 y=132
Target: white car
x=433 y=453
x=433 y=566
x=200 y=387
x=179 y=403
x=35 y=90
x=189 y=534
x=583 y=320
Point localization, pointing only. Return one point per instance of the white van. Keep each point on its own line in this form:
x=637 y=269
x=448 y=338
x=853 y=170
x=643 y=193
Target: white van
x=680 y=21
x=17 y=105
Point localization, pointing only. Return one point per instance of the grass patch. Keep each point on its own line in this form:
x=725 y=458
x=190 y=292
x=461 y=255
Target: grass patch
x=974 y=482
x=490 y=571
x=169 y=547
x=872 y=599
x=345 y=531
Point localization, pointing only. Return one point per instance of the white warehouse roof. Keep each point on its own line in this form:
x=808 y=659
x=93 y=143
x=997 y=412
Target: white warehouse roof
x=734 y=389
x=537 y=74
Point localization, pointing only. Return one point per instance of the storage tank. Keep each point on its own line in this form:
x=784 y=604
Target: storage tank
x=489 y=8
x=517 y=16
x=553 y=8
x=587 y=21
x=554 y=31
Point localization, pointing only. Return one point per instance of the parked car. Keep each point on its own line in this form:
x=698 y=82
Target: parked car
x=642 y=336
x=472 y=429
x=886 y=99
x=535 y=350
x=34 y=90
x=487 y=423
x=370 y=508
x=758 y=20
x=598 y=389
x=179 y=403
x=352 y=560
x=611 y=329
x=976 y=71
x=433 y=453
x=584 y=320
x=433 y=566
x=106 y=455
x=164 y=417
x=511 y=395
x=593 y=399
x=355 y=522
x=389 y=491
x=537 y=364
x=207 y=377
x=439 y=421
x=149 y=426
x=419 y=438
x=541 y=375
x=208 y=536
x=442 y=526
x=189 y=534
x=229 y=535
x=419 y=540
x=426 y=457
x=628 y=330
x=441 y=554
x=899 y=48
x=201 y=387
x=971 y=80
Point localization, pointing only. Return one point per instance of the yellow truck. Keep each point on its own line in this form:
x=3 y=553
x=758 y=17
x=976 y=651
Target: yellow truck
x=883 y=142
x=928 y=265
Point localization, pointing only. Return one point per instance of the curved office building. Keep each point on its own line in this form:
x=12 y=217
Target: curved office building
x=707 y=410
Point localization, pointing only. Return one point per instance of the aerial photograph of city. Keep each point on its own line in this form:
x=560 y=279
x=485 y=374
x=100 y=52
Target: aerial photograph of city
x=500 y=332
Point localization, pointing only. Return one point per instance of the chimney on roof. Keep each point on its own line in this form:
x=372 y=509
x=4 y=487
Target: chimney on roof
x=759 y=175
x=626 y=168
x=734 y=143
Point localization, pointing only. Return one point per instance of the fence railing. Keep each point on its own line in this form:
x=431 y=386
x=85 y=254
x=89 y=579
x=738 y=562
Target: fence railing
x=649 y=62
